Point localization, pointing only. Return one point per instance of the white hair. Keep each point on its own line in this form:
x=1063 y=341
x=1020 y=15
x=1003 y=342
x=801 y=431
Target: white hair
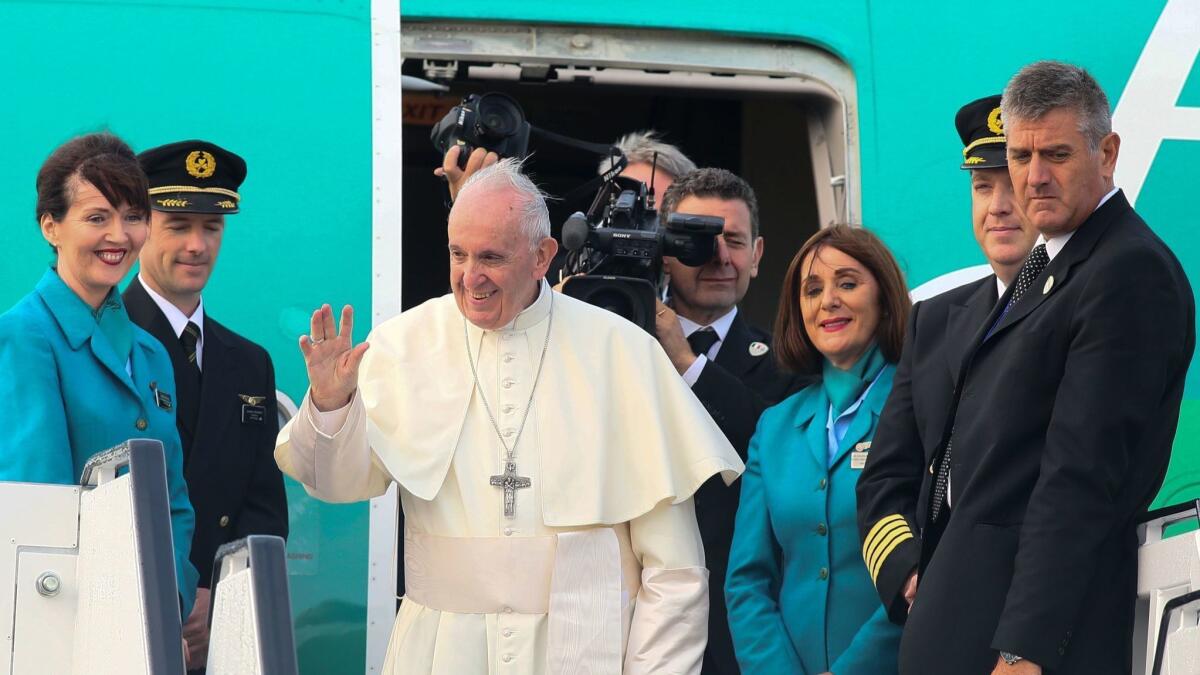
x=641 y=147
x=532 y=215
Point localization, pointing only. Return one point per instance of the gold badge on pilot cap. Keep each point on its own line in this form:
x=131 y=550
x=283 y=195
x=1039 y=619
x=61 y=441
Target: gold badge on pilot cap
x=193 y=177
x=994 y=123
x=981 y=128
x=200 y=164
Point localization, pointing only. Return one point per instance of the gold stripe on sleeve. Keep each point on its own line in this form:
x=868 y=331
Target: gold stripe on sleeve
x=877 y=531
x=887 y=551
x=885 y=537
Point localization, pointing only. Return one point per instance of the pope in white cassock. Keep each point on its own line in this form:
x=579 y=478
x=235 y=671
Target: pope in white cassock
x=546 y=452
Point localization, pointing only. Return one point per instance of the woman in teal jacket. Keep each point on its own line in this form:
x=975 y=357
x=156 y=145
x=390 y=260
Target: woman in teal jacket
x=81 y=376
x=800 y=599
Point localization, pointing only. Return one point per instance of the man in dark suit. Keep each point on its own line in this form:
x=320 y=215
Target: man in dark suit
x=226 y=409
x=1060 y=426
x=726 y=361
x=939 y=333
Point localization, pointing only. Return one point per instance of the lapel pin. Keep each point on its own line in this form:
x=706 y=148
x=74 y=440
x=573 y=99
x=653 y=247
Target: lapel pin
x=1049 y=285
x=758 y=348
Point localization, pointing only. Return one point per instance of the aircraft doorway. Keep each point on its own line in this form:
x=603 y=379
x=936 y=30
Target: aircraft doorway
x=775 y=114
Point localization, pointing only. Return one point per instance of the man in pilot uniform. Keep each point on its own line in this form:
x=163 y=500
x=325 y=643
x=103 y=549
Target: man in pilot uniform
x=226 y=415
x=940 y=330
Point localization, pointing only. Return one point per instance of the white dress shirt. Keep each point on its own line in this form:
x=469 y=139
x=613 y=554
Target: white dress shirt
x=178 y=319
x=721 y=326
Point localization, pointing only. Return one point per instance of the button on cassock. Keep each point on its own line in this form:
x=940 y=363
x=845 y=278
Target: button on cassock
x=141 y=424
x=224 y=521
x=507 y=383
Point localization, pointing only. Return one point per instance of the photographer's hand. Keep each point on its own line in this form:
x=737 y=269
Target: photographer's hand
x=670 y=336
x=456 y=177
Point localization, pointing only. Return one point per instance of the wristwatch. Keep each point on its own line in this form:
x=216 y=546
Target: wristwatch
x=1011 y=658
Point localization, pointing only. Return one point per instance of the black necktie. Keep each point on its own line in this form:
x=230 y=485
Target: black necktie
x=189 y=338
x=702 y=340
x=1031 y=269
x=188 y=386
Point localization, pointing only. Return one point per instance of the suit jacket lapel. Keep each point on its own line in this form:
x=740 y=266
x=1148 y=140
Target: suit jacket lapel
x=963 y=322
x=217 y=397
x=734 y=355
x=113 y=363
x=145 y=312
x=812 y=413
x=78 y=324
x=1077 y=250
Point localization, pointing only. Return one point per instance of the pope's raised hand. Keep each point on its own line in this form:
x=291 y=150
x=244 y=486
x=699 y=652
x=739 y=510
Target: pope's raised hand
x=331 y=358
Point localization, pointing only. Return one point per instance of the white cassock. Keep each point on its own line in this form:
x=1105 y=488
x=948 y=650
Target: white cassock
x=601 y=568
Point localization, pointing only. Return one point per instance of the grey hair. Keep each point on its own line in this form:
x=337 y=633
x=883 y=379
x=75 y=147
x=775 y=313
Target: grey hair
x=640 y=147
x=532 y=214
x=1041 y=87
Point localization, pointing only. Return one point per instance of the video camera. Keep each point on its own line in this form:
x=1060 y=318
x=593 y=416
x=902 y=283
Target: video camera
x=616 y=249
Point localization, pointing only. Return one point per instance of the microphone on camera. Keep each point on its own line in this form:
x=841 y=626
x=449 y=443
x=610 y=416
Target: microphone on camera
x=575 y=231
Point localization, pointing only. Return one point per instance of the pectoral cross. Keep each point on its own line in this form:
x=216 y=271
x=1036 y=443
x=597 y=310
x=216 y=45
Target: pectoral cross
x=511 y=482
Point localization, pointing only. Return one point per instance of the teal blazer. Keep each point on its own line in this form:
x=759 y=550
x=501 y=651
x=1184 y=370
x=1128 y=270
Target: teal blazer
x=799 y=596
x=69 y=397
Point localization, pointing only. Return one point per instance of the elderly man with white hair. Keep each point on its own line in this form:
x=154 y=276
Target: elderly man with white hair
x=546 y=453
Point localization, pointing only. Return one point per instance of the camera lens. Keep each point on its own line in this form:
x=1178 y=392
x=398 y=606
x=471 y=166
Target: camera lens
x=499 y=115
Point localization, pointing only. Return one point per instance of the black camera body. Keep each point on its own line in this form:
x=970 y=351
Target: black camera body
x=492 y=121
x=618 y=249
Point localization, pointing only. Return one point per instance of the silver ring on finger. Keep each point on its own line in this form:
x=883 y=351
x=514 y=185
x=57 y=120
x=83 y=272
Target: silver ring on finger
x=315 y=341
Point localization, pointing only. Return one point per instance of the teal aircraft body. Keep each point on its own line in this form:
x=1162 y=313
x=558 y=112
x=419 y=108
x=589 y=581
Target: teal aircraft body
x=835 y=111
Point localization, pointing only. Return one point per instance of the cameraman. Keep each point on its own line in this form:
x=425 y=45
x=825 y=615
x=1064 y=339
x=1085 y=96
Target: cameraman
x=726 y=361
x=648 y=157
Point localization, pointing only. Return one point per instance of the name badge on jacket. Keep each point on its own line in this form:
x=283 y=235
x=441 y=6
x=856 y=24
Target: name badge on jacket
x=858 y=458
x=253 y=410
x=161 y=398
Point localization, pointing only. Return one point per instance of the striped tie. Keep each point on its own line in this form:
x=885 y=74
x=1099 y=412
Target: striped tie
x=189 y=339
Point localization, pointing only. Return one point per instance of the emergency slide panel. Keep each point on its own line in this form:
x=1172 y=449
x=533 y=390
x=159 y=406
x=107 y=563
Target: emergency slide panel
x=251 y=612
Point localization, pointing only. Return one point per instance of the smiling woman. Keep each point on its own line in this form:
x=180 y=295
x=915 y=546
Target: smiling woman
x=88 y=379
x=799 y=597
